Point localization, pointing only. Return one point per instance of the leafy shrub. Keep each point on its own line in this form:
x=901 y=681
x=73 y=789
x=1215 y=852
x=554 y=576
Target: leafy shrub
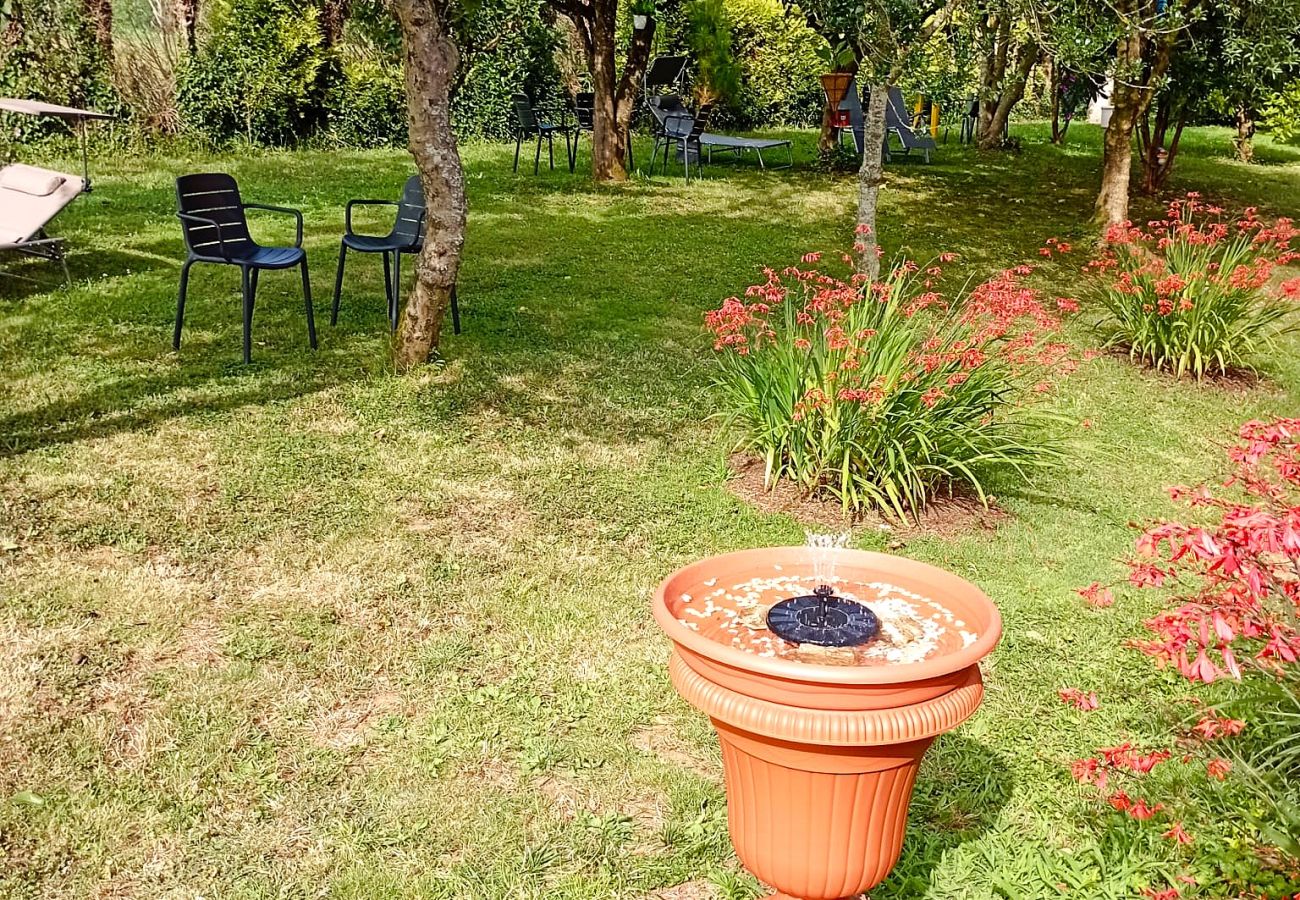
x=262 y=75
x=717 y=75
x=367 y=108
x=879 y=393
x=777 y=55
x=1190 y=292
x=510 y=48
x=50 y=54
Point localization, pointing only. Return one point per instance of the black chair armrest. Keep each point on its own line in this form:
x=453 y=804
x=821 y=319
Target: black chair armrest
x=297 y=242
x=347 y=215
x=204 y=220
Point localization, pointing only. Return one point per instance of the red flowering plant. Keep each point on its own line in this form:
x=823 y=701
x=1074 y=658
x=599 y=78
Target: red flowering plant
x=1191 y=293
x=1232 y=618
x=877 y=393
x=1236 y=612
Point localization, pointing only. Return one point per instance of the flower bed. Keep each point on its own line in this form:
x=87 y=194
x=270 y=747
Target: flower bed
x=1191 y=293
x=879 y=393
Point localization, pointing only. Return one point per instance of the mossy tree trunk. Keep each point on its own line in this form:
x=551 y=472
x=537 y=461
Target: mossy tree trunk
x=596 y=22
x=870 y=178
x=431 y=60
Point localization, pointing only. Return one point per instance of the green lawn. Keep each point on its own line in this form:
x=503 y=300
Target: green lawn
x=307 y=629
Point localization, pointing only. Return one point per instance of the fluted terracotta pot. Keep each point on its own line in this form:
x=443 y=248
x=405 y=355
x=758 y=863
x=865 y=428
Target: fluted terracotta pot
x=820 y=760
x=836 y=85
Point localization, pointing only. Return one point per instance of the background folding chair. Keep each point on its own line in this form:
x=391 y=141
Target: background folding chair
x=30 y=198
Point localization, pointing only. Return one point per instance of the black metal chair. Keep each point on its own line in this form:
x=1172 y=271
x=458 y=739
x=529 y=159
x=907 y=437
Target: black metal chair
x=215 y=228
x=527 y=125
x=584 y=114
x=683 y=131
x=406 y=236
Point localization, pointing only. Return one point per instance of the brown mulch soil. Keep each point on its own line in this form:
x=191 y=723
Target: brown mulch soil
x=945 y=516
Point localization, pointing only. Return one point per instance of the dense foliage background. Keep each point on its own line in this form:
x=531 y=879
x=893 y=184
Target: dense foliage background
x=329 y=72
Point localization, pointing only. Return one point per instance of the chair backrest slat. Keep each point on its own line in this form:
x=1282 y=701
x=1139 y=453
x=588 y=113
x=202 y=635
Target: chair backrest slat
x=701 y=121
x=410 y=213
x=215 y=196
x=584 y=109
x=524 y=112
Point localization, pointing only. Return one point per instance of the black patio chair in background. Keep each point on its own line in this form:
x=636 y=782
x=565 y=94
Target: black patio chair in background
x=215 y=228
x=527 y=125
x=584 y=114
x=406 y=236
x=682 y=130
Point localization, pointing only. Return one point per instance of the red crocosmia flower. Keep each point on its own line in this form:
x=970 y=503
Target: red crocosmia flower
x=1169 y=893
x=1084 y=770
x=812 y=257
x=1120 y=801
x=1078 y=699
x=1142 y=812
x=947 y=257
x=1096 y=595
x=1211 y=726
x=862 y=229
x=1066 y=304
x=1044 y=251
x=1291 y=289
x=1176 y=833
x=1218 y=769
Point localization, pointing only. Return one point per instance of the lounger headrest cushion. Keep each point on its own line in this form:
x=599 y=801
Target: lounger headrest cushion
x=30 y=180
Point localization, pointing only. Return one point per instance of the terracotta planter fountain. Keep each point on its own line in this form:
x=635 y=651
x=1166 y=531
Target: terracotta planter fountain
x=822 y=738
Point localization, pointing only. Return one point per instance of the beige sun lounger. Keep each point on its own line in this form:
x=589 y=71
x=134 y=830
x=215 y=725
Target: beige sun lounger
x=30 y=198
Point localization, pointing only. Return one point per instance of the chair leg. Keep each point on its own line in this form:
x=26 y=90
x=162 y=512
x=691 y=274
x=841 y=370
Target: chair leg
x=180 y=303
x=253 y=285
x=306 y=299
x=519 y=138
x=455 y=312
x=550 y=149
x=388 y=284
x=63 y=261
x=247 y=292
x=338 y=283
x=572 y=147
x=397 y=288
x=537 y=157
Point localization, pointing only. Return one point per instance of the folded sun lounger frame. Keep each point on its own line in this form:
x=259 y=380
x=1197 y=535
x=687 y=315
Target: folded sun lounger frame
x=38 y=242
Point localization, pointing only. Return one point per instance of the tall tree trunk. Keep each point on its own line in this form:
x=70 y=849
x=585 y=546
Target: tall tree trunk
x=187 y=20
x=13 y=32
x=1245 y=134
x=1131 y=97
x=1054 y=88
x=608 y=142
x=993 y=72
x=431 y=60
x=596 y=22
x=1012 y=93
x=870 y=177
x=1117 y=158
x=333 y=16
x=100 y=14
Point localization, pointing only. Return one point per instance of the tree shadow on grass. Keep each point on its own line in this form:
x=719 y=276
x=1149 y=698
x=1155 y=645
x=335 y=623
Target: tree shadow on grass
x=959 y=794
